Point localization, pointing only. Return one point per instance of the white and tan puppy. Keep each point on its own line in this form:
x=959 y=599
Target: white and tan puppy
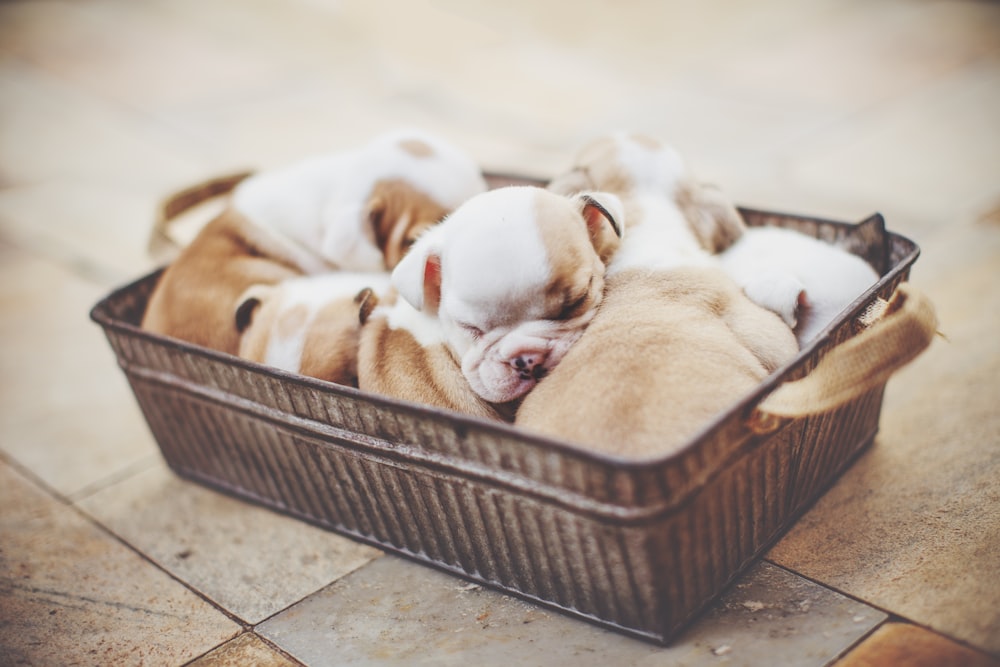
x=358 y=209
x=514 y=275
x=307 y=325
x=403 y=353
x=667 y=351
x=675 y=341
x=806 y=281
x=671 y=219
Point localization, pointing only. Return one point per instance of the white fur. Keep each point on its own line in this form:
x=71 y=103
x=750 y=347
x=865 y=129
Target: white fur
x=776 y=266
x=319 y=203
x=658 y=170
x=425 y=328
x=660 y=240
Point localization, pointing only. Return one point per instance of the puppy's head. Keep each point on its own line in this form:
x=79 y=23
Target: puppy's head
x=514 y=275
x=635 y=167
x=401 y=183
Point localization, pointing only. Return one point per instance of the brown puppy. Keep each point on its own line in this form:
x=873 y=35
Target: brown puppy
x=357 y=210
x=195 y=297
x=666 y=352
x=403 y=353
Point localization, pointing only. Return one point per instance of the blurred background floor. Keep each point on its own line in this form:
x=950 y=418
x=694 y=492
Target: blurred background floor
x=827 y=108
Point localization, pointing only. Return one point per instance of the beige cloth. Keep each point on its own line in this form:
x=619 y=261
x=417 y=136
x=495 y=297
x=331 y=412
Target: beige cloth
x=899 y=333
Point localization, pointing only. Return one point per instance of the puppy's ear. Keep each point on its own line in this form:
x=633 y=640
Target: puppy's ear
x=712 y=216
x=367 y=301
x=248 y=303
x=417 y=277
x=605 y=217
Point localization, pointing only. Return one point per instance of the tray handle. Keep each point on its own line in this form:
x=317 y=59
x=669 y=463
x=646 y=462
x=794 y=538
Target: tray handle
x=896 y=332
x=182 y=201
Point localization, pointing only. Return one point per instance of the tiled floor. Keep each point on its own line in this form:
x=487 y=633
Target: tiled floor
x=828 y=108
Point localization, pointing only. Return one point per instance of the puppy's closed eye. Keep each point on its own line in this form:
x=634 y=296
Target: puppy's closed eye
x=576 y=303
x=472 y=330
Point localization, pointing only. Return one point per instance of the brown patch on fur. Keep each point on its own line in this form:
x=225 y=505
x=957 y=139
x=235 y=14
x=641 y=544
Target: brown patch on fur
x=666 y=352
x=197 y=295
x=399 y=213
x=576 y=262
x=595 y=167
x=417 y=148
x=712 y=216
x=330 y=351
x=646 y=141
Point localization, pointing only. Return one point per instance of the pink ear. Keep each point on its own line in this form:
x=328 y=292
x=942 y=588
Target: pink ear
x=432 y=283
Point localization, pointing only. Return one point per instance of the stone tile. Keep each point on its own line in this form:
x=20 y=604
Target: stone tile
x=394 y=612
x=910 y=645
x=247 y=649
x=104 y=605
x=914 y=525
x=249 y=560
x=67 y=413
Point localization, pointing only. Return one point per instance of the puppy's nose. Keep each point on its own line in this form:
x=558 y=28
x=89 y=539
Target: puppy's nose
x=529 y=366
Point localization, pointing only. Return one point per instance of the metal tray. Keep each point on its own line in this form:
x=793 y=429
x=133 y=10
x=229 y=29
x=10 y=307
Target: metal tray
x=638 y=546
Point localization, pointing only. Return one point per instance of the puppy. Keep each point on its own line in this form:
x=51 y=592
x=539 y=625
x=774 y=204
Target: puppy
x=513 y=275
x=674 y=341
x=359 y=210
x=667 y=351
x=403 y=353
x=307 y=325
x=806 y=281
x=672 y=220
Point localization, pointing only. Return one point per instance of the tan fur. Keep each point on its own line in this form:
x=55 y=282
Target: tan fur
x=595 y=167
x=196 y=296
x=399 y=213
x=416 y=147
x=666 y=352
x=713 y=218
x=331 y=347
x=391 y=362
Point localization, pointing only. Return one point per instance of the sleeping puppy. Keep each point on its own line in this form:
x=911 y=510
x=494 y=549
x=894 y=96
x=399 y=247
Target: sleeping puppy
x=355 y=210
x=307 y=325
x=360 y=210
x=806 y=281
x=513 y=275
x=667 y=351
x=675 y=341
x=403 y=353
x=682 y=221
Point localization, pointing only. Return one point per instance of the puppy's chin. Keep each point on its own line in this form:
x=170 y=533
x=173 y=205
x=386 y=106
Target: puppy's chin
x=495 y=385
x=493 y=373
